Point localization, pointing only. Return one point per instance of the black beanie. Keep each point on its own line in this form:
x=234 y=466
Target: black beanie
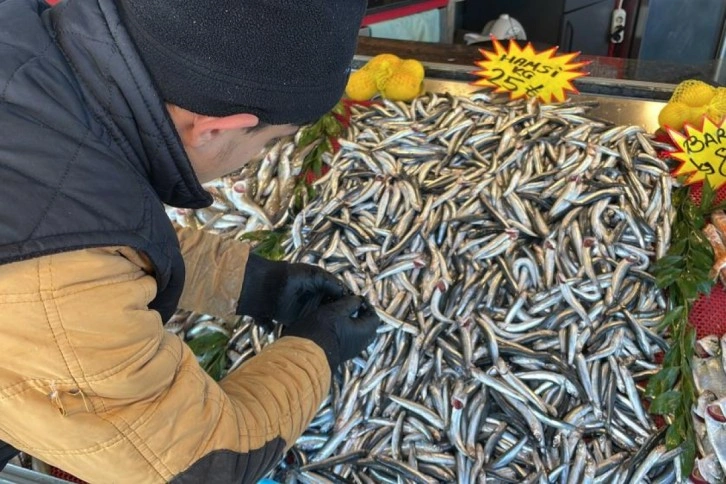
x=285 y=61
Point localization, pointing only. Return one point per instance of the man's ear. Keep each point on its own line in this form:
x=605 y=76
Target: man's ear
x=204 y=129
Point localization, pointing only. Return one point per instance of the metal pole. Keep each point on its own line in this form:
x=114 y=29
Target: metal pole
x=721 y=55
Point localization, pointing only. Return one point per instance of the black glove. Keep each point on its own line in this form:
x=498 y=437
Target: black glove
x=285 y=292
x=342 y=328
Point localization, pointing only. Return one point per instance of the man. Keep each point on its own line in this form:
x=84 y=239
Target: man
x=108 y=109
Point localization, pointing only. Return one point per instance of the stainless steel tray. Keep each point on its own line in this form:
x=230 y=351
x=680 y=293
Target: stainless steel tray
x=13 y=474
x=618 y=110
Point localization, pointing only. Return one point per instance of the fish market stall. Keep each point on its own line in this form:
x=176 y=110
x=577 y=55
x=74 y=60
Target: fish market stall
x=509 y=248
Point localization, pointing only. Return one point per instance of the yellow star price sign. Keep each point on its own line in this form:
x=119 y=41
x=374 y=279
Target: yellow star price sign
x=702 y=152
x=523 y=72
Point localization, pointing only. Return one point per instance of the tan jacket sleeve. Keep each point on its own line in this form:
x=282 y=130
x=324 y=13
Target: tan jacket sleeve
x=215 y=269
x=90 y=381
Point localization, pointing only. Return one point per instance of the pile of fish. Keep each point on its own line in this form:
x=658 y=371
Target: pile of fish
x=506 y=246
x=258 y=197
x=709 y=413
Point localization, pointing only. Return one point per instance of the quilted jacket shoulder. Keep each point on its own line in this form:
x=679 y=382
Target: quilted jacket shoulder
x=88 y=152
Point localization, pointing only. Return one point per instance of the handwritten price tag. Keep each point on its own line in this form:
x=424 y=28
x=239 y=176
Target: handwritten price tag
x=702 y=152
x=527 y=73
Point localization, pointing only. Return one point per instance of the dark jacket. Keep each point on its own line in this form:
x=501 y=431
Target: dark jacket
x=90 y=267
x=105 y=154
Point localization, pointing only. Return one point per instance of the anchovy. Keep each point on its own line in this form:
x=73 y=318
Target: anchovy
x=507 y=248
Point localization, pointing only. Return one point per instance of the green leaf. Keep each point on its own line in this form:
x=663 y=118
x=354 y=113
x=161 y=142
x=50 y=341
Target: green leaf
x=310 y=134
x=679 y=194
x=716 y=207
x=277 y=253
x=331 y=126
x=317 y=165
x=667 y=277
x=666 y=403
x=691 y=211
x=700 y=243
x=271 y=246
x=679 y=247
x=701 y=256
x=690 y=338
x=208 y=342
x=708 y=195
x=300 y=188
x=662 y=381
x=687 y=387
x=309 y=159
x=327 y=145
x=256 y=235
x=670 y=318
x=673 y=437
x=221 y=365
x=673 y=356
x=680 y=424
x=674 y=261
x=687 y=286
x=698 y=223
x=688 y=458
x=339 y=109
x=211 y=351
x=704 y=287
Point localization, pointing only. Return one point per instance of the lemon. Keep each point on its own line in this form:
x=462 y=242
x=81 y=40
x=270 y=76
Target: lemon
x=413 y=67
x=382 y=67
x=695 y=118
x=673 y=115
x=402 y=86
x=693 y=93
x=716 y=109
x=361 y=86
x=382 y=62
x=396 y=79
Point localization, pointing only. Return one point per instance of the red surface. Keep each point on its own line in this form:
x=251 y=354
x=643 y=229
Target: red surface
x=395 y=13
x=59 y=474
x=708 y=315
